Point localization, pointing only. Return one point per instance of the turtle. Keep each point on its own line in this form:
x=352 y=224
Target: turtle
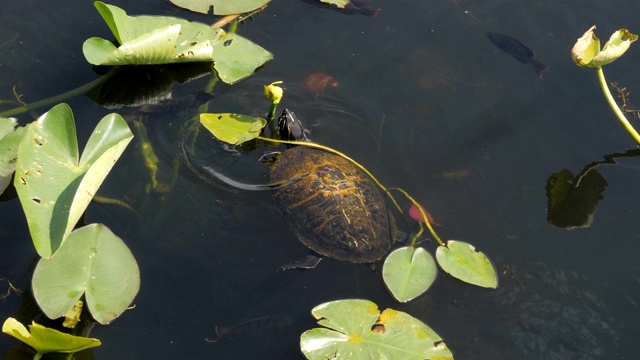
x=331 y=206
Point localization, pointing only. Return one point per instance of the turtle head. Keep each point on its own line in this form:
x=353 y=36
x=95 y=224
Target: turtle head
x=289 y=127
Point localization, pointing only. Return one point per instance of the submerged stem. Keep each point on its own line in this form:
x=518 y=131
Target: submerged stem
x=612 y=103
x=424 y=217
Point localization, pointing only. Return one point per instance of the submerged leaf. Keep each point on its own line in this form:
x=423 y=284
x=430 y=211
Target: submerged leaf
x=409 y=272
x=356 y=329
x=95 y=262
x=221 y=7
x=45 y=340
x=462 y=261
x=338 y=3
x=233 y=128
x=53 y=184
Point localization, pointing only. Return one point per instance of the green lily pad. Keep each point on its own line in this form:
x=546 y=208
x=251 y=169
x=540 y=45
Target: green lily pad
x=55 y=187
x=9 y=141
x=237 y=58
x=339 y=3
x=153 y=40
x=462 y=261
x=356 y=329
x=45 y=340
x=221 y=7
x=233 y=128
x=586 y=51
x=92 y=261
x=408 y=272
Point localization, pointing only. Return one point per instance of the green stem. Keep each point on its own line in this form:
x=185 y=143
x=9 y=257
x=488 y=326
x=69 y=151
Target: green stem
x=333 y=151
x=272 y=110
x=52 y=100
x=424 y=217
x=614 y=106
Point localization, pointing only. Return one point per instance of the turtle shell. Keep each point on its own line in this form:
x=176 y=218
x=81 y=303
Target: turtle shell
x=331 y=206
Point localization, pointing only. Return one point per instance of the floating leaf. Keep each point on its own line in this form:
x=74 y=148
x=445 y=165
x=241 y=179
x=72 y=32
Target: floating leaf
x=586 y=51
x=339 y=3
x=233 y=128
x=221 y=7
x=236 y=58
x=9 y=141
x=462 y=261
x=408 y=272
x=355 y=329
x=45 y=340
x=55 y=187
x=92 y=261
x=149 y=40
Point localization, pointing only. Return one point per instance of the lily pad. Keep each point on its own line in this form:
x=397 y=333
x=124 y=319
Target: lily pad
x=95 y=262
x=45 y=340
x=233 y=128
x=408 y=272
x=341 y=4
x=55 y=187
x=221 y=7
x=356 y=329
x=586 y=51
x=154 y=40
x=9 y=140
x=462 y=261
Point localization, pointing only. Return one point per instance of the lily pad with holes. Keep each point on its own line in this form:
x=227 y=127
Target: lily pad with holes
x=408 y=272
x=154 y=40
x=462 y=261
x=95 y=262
x=233 y=128
x=221 y=7
x=46 y=340
x=356 y=329
x=53 y=183
x=10 y=137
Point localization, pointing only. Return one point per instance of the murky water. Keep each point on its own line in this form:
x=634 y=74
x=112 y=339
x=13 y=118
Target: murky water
x=426 y=103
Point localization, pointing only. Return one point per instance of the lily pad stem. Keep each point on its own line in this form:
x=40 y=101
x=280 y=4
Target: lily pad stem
x=424 y=217
x=333 y=151
x=612 y=103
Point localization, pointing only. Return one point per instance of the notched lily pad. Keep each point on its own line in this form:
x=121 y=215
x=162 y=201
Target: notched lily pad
x=221 y=7
x=55 y=185
x=10 y=137
x=356 y=329
x=233 y=128
x=45 y=340
x=462 y=261
x=95 y=262
x=586 y=51
x=408 y=272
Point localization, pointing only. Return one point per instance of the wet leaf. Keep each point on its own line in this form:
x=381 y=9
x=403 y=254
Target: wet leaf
x=92 y=261
x=355 y=329
x=409 y=272
x=462 y=261
x=339 y=3
x=153 y=40
x=586 y=51
x=45 y=340
x=233 y=128
x=236 y=58
x=9 y=141
x=572 y=201
x=221 y=7
x=54 y=186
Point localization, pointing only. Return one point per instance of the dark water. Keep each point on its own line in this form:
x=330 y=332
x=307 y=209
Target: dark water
x=422 y=95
